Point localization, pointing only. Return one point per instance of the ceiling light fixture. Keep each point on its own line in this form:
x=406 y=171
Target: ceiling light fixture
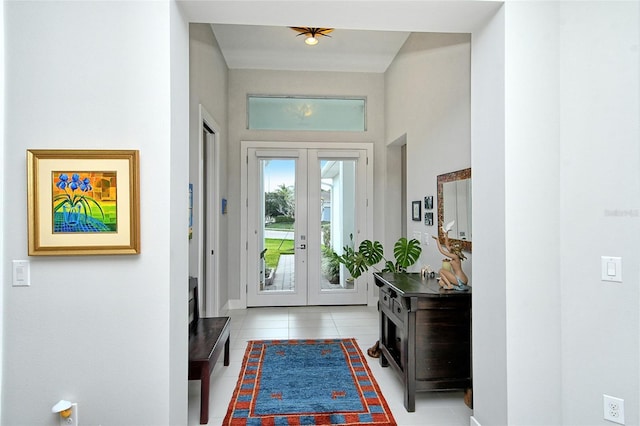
x=312 y=34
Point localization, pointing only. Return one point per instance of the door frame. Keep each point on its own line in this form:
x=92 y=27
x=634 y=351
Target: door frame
x=244 y=238
x=211 y=284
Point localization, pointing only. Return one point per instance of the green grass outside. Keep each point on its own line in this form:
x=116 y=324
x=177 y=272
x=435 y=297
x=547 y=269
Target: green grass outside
x=274 y=249
x=288 y=226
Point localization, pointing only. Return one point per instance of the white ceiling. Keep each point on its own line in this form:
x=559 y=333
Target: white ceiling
x=255 y=33
x=280 y=48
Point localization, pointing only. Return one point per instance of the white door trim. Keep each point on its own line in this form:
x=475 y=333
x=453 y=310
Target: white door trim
x=212 y=284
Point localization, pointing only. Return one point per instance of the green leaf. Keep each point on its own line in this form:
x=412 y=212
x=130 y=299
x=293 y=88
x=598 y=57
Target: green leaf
x=355 y=262
x=359 y=265
x=372 y=251
x=406 y=252
x=389 y=266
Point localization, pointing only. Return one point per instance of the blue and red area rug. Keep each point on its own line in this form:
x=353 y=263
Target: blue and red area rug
x=306 y=382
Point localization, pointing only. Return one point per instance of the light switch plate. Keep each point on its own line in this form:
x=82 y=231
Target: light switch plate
x=21 y=273
x=611 y=269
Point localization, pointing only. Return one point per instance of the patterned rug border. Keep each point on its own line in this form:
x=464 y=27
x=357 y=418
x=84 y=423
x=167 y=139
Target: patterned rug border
x=386 y=419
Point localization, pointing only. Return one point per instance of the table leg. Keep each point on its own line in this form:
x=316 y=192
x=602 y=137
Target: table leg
x=226 y=351
x=204 y=394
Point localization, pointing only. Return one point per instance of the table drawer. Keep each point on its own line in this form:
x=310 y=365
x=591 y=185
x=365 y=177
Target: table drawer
x=397 y=309
x=386 y=299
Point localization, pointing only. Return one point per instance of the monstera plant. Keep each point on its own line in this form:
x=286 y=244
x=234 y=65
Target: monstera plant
x=370 y=253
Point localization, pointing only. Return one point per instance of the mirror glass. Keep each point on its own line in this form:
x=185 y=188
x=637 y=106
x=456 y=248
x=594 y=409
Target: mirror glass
x=454 y=205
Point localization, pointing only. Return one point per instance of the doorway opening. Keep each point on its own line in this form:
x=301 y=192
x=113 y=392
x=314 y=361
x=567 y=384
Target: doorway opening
x=304 y=205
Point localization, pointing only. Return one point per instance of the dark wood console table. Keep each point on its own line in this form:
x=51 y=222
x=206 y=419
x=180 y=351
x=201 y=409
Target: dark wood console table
x=425 y=334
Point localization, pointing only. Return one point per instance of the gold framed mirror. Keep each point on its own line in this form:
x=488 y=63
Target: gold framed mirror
x=454 y=204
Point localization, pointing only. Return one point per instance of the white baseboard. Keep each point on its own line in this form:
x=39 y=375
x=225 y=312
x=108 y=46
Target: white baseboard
x=236 y=304
x=473 y=422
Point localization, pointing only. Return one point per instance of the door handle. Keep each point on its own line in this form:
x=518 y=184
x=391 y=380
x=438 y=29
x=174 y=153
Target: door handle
x=302 y=246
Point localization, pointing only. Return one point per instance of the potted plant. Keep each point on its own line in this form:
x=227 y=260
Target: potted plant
x=405 y=252
x=370 y=253
x=330 y=265
x=266 y=274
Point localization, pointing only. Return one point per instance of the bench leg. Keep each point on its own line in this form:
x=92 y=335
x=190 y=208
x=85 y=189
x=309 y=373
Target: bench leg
x=226 y=351
x=204 y=394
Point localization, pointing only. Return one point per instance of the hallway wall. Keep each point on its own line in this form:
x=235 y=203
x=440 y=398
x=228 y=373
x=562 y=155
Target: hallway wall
x=103 y=331
x=208 y=86
x=599 y=206
x=2 y=201
x=243 y=82
x=427 y=100
x=532 y=223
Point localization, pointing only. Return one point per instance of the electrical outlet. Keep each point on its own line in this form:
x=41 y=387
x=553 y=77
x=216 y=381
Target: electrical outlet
x=72 y=420
x=613 y=409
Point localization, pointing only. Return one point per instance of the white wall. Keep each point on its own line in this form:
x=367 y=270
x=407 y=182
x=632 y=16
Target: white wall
x=599 y=206
x=207 y=87
x=242 y=82
x=178 y=198
x=427 y=98
x=105 y=331
x=2 y=138
x=532 y=195
x=490 y=391
x=547 y=349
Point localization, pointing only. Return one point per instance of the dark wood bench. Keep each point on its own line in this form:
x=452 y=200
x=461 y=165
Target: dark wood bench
x=208 y=337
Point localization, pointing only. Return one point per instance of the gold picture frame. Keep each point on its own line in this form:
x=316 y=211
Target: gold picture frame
x=83 y=202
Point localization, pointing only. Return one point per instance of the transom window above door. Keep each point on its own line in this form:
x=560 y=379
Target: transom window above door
x=306 y=113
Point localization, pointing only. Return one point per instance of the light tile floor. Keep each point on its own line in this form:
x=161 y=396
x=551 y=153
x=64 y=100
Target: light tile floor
x=360 y=322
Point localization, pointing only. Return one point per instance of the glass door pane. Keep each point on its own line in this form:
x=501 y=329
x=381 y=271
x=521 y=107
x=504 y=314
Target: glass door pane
x=337 y=220
x=279 y=211
x=276 y=246
x=337 y=211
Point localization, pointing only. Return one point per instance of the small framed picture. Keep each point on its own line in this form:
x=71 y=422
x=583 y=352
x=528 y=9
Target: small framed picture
x=428 y=202
x=416 y=211
x=428 y=218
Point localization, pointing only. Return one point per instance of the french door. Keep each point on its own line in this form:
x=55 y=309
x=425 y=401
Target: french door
x=303 y=206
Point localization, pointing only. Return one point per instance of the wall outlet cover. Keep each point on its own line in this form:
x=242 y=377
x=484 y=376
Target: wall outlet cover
x=613 y=409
